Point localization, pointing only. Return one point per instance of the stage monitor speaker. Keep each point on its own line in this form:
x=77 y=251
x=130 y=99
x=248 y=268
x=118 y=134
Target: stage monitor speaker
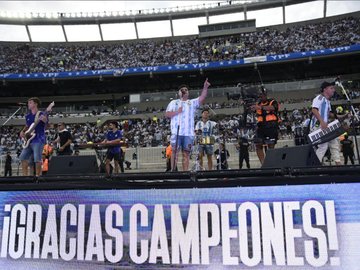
x=287 y=157
x=61 y=165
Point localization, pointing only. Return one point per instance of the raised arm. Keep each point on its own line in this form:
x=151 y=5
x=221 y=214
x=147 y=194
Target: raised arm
x=204 y=92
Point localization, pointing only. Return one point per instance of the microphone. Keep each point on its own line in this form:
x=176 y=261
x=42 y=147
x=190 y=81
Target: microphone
x=337 y=80
x=22 y=103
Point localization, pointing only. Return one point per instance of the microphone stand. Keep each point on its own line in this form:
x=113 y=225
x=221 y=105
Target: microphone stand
x=12 y=116
x=338 y=83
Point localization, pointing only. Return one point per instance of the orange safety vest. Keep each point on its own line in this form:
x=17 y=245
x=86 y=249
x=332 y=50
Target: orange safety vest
x=267 y=116
x=168 y=151
x=45 y=165
x=47 y=151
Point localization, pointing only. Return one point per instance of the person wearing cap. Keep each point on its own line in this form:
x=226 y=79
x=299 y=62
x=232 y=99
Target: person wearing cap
x=182 y=114
x=266 y=110
x=321 y=111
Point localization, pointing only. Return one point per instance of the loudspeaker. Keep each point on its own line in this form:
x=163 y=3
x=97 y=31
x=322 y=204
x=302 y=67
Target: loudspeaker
x=61 y=165
x=297 y=156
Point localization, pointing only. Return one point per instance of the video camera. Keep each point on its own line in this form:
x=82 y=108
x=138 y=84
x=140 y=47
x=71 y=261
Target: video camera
x=248 y=93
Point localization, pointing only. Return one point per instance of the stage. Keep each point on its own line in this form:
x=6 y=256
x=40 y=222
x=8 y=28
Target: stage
x=200 y=179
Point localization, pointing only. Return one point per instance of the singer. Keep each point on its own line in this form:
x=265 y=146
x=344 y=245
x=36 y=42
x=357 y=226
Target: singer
x=182 y=114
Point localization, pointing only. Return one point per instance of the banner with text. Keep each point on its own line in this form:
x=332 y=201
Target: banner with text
x=282 y=227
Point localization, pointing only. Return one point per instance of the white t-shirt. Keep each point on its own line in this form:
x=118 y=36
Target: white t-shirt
x=323 y=105
x=207 y=128
x=186 y=119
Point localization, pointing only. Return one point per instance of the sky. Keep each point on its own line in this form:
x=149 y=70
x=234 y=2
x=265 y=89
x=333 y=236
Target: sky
x=294 y=13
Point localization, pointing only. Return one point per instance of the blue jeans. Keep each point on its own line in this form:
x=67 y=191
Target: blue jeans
x=35 y=150
x=207 y=149
x=184 y=142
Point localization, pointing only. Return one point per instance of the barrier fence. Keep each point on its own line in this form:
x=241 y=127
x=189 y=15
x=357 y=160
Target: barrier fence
x=146 y=159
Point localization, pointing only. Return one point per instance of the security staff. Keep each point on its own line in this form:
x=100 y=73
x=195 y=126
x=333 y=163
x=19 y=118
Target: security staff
x=243 y=148
x=267 y=123
x=347 y=147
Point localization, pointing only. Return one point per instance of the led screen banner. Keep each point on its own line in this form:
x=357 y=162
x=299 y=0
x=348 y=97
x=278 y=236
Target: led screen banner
x=274 y=227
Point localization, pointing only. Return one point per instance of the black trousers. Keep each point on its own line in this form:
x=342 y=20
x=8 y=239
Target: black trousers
x=8 y=171
x=168 y=164
x=350 y=156
x=242 y=157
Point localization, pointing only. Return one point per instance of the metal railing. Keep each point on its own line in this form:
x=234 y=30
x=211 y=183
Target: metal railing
x=152 y=158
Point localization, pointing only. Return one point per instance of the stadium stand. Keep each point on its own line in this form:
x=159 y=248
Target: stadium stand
x=26 y=58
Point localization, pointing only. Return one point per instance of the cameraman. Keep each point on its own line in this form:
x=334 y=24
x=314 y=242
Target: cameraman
x=266 y=110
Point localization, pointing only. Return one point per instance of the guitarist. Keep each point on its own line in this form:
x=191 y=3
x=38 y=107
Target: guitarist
x=37 y=143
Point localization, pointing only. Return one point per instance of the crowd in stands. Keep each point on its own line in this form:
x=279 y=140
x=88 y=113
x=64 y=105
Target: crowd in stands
x=55 y=57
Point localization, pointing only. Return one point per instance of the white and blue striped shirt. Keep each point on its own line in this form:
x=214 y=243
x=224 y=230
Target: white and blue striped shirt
x=324 y=107
x=186 y=119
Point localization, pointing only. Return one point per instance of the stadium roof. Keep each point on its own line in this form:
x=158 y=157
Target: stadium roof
x=166 y=21
x=212 y=9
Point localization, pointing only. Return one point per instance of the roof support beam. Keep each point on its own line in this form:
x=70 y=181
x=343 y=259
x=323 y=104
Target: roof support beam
x=283 y=11
x=136 y=30
x=245 y=12
x=100 y=32
x=64 y=32
x=28 y=32
x=171 y=26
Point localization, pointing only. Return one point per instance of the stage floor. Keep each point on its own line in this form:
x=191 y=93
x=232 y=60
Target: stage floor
x=131 y=180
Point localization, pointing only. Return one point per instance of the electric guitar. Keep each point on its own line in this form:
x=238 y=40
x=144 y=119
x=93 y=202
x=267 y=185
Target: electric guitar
x=30 y=133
